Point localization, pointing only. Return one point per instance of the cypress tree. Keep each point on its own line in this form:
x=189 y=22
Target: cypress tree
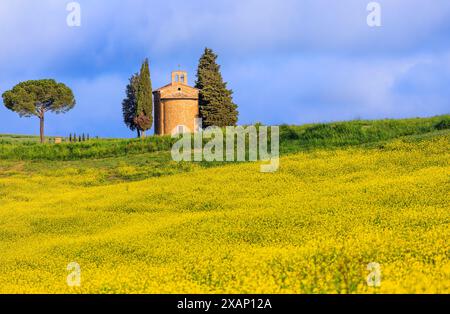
x=215 y=100
x=129 y=104
x=144 y=112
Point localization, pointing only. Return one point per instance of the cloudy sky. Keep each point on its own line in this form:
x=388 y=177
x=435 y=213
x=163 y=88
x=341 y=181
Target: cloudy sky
x=287 y=61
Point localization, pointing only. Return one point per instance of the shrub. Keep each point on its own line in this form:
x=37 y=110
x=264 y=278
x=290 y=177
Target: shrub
x=444 y=124
x=287 y=132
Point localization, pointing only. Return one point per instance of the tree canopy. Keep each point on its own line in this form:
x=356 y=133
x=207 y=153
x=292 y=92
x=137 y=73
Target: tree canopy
x=31 y=98
x=215 y=100
x=36 y=97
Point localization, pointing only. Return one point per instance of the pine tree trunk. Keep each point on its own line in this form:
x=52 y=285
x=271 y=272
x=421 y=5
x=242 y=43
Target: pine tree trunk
x=138 y=133
x=41 y=130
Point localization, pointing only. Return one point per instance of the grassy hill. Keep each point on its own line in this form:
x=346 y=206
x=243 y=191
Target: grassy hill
x=138 y=222
x=293 y=139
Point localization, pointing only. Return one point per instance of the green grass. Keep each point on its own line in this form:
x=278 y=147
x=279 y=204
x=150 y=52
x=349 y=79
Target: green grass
x=102 y=162
x=293 y=139
x=97 y=172
x=30 y=149
x=358 y=132
x=11 y=138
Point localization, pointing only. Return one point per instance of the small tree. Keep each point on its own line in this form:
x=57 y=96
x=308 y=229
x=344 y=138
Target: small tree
x=215 y=100
x=35 y=98
x=79 y=138
x=70 y=137
x=129 y=104
x=83 y=137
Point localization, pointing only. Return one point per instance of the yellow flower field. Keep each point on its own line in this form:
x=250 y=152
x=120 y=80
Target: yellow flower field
x=312 y=227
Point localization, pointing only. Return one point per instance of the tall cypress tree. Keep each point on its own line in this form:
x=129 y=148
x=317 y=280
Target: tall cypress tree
x=215 y=100
x=144 y=111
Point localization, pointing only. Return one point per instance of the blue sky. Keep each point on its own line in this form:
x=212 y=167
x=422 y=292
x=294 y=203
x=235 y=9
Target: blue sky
x=288 y=61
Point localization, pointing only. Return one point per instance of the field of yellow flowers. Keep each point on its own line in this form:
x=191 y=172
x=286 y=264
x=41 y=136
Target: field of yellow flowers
x=312 y=227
